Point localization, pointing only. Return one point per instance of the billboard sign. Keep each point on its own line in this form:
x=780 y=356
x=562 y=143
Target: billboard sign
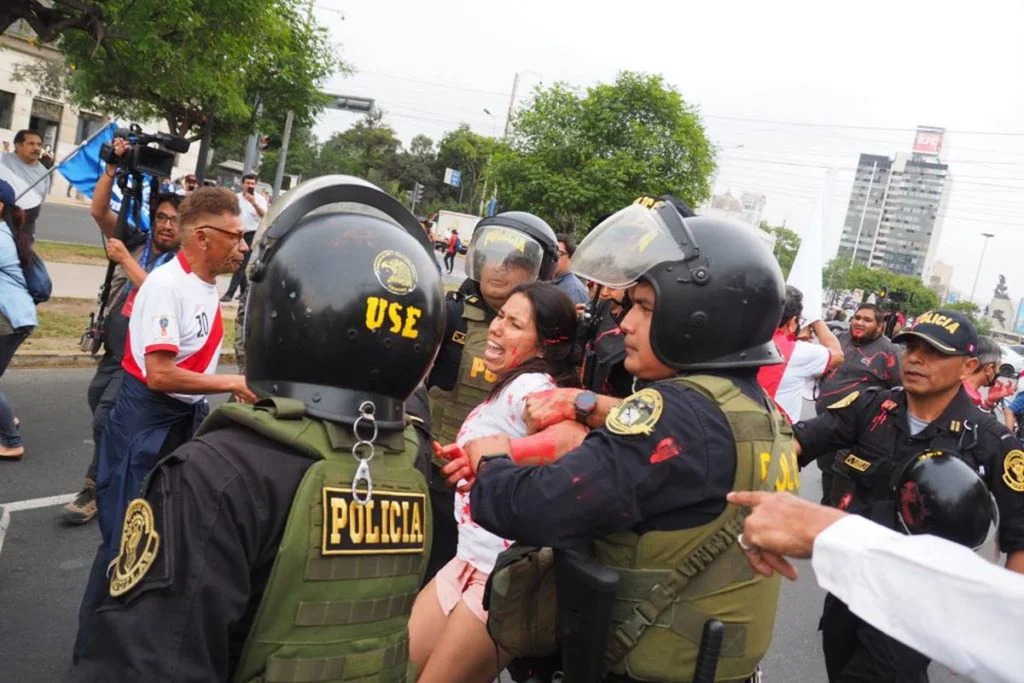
x=929 y=141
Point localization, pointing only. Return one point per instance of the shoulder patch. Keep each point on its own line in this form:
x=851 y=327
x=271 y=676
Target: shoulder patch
x=844 y=401
x=637 y=414
x=139 y=545
x=392 y=522
x=1013 y=470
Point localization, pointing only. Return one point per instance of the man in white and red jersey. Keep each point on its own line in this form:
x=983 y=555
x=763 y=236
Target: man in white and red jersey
x=170 y=362
x=804 y=361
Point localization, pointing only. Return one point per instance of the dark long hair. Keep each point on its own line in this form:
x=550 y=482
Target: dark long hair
x=554 y=320
x=15 y=219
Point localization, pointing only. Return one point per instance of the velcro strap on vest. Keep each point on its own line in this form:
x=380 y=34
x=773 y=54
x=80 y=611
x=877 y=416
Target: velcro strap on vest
x=387 y=664
x=353 y=612
x=361 y=567
x=662 y=595
x=688 y=622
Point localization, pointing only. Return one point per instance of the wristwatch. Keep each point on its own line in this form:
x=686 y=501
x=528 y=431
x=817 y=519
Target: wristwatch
x=585 y=403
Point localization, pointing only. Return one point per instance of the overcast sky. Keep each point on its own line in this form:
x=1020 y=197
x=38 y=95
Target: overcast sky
x=865 y=73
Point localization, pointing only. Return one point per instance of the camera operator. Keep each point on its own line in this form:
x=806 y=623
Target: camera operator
x=254 y=207
x=142 y=253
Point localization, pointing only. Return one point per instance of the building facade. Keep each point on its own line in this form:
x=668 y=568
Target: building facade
x=896 y=209
x=28 y=104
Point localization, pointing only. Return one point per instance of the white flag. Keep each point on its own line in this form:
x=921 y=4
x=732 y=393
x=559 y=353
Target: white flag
x=810 y=258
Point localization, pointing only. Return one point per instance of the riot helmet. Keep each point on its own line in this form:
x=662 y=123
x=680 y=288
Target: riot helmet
x=718 y=289
x=345 y=302
x=509 y=242
x=939 y=494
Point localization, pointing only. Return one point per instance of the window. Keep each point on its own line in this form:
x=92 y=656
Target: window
x=6 y=108
x=88 y=125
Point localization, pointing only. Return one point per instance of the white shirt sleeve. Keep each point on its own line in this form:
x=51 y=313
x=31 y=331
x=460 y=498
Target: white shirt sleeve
x=930 y=594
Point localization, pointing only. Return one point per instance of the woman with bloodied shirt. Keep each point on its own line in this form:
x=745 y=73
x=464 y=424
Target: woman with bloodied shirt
x=529 y=349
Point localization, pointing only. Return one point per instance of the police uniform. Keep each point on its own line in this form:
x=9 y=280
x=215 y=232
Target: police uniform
x=287 y=541
x=875 y=426
x=645 y=494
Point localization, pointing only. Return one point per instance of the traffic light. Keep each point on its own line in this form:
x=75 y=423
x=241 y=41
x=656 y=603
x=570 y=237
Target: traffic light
x=415 y=194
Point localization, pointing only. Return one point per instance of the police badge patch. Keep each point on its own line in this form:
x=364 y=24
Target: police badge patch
x=139 y=545
x=637 y=414
x=1013 y=470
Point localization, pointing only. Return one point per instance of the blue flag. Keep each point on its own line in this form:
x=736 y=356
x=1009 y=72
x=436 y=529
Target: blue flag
x=84 y=167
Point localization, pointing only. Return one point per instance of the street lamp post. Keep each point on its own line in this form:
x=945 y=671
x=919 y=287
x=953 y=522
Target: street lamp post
x=981 y=261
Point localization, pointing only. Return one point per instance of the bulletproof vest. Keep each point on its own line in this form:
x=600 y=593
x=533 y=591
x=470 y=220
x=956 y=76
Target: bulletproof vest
x=672 y=582
x=336 y=605
x=448 y=409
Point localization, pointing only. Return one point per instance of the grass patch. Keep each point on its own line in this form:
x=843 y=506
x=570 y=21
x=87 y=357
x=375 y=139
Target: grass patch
x=65 y=252
x=62 y=317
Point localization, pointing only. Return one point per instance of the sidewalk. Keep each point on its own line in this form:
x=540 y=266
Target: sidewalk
x=78 y=281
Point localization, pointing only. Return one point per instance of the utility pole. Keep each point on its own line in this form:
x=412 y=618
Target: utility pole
x=511 y=105
x=863 y=212
x=282 y=155
x=981 y=261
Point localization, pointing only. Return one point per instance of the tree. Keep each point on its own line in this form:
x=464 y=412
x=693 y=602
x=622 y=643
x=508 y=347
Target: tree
x=787 y=243
x=369 y=149
x=470 y=154
x=973 y=313
x=50 y=19
x=839 y=275
x=184 y=61
x=574 y=159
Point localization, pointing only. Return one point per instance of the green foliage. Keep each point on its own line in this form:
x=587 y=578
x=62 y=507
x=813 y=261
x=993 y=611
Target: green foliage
x=838 y=275
x=184 y=60
x=575 y=158
x=973 y=313
x=787 y=243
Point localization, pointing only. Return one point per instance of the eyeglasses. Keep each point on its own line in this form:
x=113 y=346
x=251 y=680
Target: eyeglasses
x=162 y=217
x=236 y=237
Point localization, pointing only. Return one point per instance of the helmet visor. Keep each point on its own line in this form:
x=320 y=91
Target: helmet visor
x=624 y=246
x=499 y=252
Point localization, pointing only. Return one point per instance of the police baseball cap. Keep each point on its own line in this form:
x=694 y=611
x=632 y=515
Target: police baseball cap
x=949 y=332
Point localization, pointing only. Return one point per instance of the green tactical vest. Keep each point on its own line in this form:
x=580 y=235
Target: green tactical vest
x=656 y=633
x=336 y=606
x=448 y=409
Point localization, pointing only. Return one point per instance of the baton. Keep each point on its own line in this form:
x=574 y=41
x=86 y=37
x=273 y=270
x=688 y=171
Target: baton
x=710 y=649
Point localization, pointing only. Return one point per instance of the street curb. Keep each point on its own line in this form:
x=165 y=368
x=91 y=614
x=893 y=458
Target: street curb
x=30 y=360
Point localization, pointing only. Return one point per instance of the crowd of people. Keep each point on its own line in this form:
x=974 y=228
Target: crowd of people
x=379 y=498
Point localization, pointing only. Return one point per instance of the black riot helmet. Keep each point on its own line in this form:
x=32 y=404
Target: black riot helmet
x=939 y=494
x=718 y=289
x=345 y=302
x=513 y=239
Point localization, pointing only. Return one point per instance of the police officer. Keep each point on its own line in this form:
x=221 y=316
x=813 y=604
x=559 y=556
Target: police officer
x=287 y=541
x=645 y=492
x=506 y=250
x=886 y=428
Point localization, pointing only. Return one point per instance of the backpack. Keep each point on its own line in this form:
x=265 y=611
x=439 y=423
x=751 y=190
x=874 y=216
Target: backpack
x=37 y=280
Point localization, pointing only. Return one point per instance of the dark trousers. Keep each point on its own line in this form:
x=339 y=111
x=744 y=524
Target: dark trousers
x=239 y=281
x=449 y=261
x=856 y=652
x=101 y=394
x=9 y=436
x=31 y=215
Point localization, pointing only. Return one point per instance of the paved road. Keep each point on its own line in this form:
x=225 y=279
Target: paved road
x=43 y=565
x=67 y=223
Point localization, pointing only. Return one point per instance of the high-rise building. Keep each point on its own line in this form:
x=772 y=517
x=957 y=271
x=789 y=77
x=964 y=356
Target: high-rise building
x=939 y=279
x=894 y=218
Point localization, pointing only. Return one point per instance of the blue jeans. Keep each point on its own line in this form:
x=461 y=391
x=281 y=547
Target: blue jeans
x=9 y=436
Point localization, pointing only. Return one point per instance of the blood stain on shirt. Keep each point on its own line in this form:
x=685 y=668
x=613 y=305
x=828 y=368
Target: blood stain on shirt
x=666 y=449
